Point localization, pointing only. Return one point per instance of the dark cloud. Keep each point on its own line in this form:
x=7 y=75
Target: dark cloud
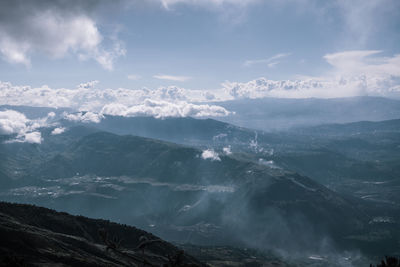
x=54 y=28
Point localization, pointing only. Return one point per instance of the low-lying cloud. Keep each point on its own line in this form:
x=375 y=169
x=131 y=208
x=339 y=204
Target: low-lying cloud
x=33 y=137
x=88 y=97
x=162 y=102
x=161 y=109
x=25 y=130
x=210 y=154
x=227 y=150
x=354 y=73
x=85 y=117
x=12 y=122
x=58 y=130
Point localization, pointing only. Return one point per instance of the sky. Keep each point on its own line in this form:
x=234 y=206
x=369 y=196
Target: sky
x=55 y=52
x=179 y=58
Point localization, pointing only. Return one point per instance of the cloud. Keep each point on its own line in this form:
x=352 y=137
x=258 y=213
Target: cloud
x=206 y=3
x=263 y=87
x=170 y=93
x=33 y=137
x=162 y=109
x=211 y=155
x=363 y=19
x=227 y=150
x=85 y=117
x=12 y=122
x=89 y=98
x=359 y=22
x=58 y=130
x=88 y=85
x=208 y=95
x=230 y=11
x=270 y=62
x=353 y=73
x=172 y=78
x=134 y=77
x=53 y=28
x=360 y=62
x=273 y=64
x=25 y=130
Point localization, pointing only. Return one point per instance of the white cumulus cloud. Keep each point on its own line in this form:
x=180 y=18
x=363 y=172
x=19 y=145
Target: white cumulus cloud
x=25 y=130
x=58 y=130
x=86 y=97
x=210 y=154
x=161 y=109
x=12 y=122
x=89 y=100
x=227 y=150
x=88 y=85
x=85 y=117
x=33 y=138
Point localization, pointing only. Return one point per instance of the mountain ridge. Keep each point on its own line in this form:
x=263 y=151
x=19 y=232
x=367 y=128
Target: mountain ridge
x=38 y=236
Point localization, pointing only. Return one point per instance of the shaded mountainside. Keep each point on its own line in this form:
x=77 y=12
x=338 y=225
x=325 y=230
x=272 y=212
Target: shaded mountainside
x=34 y=236
x=362 y=150
x=337 y=155
x=358 y=159
x=330 y=154
x=174 y=192
x=187 y=130
x=174 y=129
x=108 y=154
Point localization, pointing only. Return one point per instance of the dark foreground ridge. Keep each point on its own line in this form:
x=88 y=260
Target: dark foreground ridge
x=35 y=236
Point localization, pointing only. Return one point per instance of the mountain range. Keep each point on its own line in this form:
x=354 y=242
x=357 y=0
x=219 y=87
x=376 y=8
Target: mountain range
x=326 y=189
